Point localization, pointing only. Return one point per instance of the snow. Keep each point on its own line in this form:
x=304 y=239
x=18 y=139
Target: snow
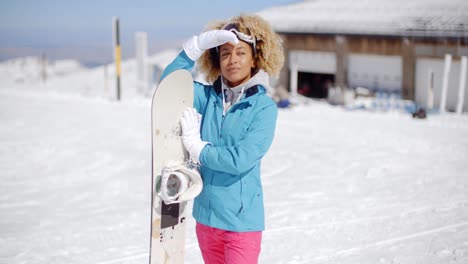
x=340 y=186
x=376 y=17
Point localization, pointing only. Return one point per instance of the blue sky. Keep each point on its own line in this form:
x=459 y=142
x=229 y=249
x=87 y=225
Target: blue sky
x=31 y=25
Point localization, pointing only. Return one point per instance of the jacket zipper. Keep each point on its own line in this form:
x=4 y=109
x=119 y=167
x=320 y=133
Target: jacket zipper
x=224 y=114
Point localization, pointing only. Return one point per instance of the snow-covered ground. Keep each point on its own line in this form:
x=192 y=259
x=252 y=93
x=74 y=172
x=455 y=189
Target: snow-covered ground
x=340 y=186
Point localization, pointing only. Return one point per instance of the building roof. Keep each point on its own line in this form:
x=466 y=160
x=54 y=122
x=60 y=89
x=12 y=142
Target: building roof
x=419 y=18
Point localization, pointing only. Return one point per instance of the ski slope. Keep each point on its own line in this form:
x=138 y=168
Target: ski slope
x=340 y=186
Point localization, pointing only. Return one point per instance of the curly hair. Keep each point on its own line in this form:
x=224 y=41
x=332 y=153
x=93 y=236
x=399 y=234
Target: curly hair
x=269 y=49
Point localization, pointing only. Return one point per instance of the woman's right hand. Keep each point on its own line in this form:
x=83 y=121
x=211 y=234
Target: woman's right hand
x=195 y=46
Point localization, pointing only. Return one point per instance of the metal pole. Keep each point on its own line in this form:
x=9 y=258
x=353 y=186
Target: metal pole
x=141 y=41
x=117 y=54
x=445 y=81
x=430 y=90
x=461 y=88
x=293 y=80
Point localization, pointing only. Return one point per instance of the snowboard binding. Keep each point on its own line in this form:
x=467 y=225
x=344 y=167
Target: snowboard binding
x=178 y=183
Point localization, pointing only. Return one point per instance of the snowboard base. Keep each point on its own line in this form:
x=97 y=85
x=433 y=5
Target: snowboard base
x=173 y=95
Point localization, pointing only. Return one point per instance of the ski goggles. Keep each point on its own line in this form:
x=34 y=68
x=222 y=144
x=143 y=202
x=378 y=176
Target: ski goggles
x=234 y=28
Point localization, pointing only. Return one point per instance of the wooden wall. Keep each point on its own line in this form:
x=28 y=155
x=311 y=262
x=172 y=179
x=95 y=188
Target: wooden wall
x=407 y=47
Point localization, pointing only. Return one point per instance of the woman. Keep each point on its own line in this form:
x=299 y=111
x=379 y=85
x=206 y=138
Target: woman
x=228 y=132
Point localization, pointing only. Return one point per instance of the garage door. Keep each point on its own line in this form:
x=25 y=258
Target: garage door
x=375 y=72
x=429 y=73
x=313 y=61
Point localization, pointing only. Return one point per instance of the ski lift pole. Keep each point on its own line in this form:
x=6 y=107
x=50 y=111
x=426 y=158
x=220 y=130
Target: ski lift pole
x=117 y=54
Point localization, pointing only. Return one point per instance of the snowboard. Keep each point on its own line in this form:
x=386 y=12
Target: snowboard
x=173 y=95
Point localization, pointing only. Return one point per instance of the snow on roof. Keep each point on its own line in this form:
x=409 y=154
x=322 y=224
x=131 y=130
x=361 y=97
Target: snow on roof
x=443 y=18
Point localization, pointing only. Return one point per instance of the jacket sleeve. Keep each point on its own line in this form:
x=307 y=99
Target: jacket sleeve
x=247 y=152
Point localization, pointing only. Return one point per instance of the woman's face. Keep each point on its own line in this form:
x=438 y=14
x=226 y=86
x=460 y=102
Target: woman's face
x=236 y=62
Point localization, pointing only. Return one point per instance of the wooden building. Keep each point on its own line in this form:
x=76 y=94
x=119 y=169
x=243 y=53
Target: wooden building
x=396 y=46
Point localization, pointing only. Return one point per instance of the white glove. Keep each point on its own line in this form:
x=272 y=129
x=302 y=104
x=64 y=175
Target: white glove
x=195 y=46
x=190 y=123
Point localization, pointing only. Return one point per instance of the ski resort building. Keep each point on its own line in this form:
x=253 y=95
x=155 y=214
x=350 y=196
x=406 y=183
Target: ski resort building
x=396 y=46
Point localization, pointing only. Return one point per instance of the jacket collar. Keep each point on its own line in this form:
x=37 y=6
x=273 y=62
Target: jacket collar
x=248 y=92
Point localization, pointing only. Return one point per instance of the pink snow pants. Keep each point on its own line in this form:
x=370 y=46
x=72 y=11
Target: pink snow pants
x=225 y=247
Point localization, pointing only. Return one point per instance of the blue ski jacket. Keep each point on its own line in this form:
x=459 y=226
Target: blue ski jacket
x=232 y=196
